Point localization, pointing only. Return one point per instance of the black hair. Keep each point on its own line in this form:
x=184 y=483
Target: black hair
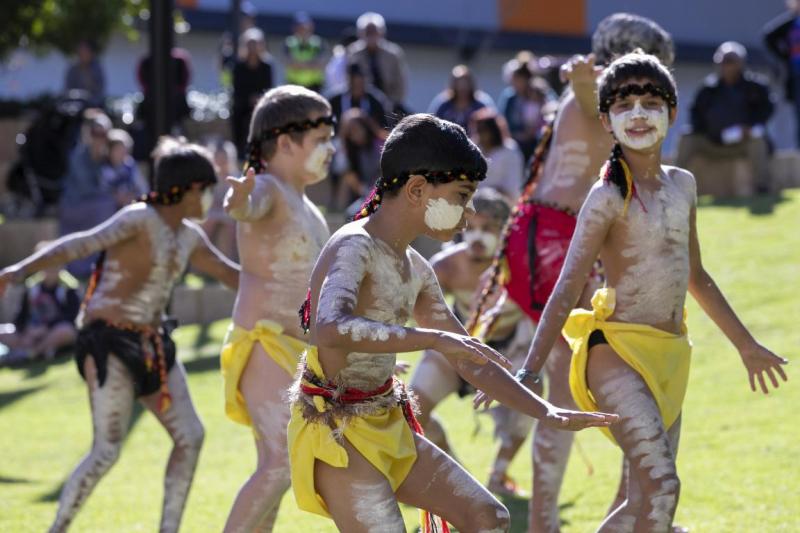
x=612 y=86
x=422 y=144
x=490 y=202
x=622 y=33
x=179 y=165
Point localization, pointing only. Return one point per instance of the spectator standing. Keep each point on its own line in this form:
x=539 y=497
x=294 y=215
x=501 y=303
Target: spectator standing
x=336 y=69
x=252 y=76
x=359 y=95
x=505 y=172
x=382 y=61
x=458 y=102
x=782 y=37
x=87 y=75
x=729 y=116
x=523 y=102
x=306 y=54
x=84 y=203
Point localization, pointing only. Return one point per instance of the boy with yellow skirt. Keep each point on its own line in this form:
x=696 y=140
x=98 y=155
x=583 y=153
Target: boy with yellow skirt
x=280 y=234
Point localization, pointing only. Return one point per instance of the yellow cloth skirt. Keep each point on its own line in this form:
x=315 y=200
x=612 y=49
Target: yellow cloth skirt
x=384 y=439
x=660 y=357
x=236 y=349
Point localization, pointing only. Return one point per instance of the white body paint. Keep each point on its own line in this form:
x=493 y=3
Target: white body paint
x=375 y=507
x=317 y=162
x=441 y=214
x=658 y=119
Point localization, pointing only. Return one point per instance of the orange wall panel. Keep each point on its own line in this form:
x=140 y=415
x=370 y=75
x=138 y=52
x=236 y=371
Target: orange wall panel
x=565 y=17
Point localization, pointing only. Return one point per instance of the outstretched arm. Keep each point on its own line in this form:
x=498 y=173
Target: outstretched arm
x=247 y=199
x=582 y=74
x=207 y=259
x=431 y=311
x=756 y=358
x=594 y=221
x=338 y=326
x=123 y=225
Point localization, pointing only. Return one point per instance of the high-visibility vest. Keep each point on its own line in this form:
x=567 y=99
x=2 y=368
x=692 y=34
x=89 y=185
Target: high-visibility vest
x=304 y=52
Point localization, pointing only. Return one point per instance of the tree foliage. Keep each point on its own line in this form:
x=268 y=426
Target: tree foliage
x=62 y=24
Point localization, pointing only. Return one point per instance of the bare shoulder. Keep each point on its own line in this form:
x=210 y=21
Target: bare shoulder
x=194 y=230
x=684 y=178
x=604 y=195
x=350 y=243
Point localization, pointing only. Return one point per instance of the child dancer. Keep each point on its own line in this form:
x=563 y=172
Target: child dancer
x=352 y=451
x=458 y=270
x=123 y=350
x=536 y=240
x=631 y=352
x=280 y=234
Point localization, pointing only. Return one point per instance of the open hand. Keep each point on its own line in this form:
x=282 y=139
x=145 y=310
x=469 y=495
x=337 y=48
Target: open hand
x=568 y=420
x=464 y=347
x=401 y=367
x=759 y=360
x=240 y=188
x=580 y=69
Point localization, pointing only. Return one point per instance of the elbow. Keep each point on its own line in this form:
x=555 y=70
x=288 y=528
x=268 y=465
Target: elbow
x=699 y=280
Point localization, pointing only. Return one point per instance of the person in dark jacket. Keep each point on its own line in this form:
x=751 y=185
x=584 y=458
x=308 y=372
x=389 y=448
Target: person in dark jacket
x=729 y=116
x=360 y=95
x=782 y=37
x=252 y=77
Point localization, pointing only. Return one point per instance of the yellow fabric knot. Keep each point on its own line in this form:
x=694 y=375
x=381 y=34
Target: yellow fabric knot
x=320 y=404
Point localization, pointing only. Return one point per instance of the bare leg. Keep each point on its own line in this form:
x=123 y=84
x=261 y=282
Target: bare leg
x=551 y=447
x=186 y=430
x=511 y=429
x=263 y=385
x=438 y=484
x=359 y=498
x=112 y=405
x=433 y=381
x=653 y=484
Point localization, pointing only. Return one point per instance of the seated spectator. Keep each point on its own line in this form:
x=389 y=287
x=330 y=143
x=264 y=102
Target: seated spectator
x=382 y=61
x=360 y=95
x=120 y=175
x=357 y=160
x=87 y=75
x=252 y=77
x=523 y=102
x=729 y=116
x=221 y=228
x=45 y=321
x=305 y=54
x=461 y=99
x=506 y=168
x=84 y=203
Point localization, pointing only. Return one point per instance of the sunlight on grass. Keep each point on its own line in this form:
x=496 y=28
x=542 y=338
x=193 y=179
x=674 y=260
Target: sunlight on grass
x=738 y=452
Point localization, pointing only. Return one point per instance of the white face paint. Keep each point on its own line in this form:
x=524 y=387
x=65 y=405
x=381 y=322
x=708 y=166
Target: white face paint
x=442 y=215
x=488 y=240
x=317 y=162
x=638 y=118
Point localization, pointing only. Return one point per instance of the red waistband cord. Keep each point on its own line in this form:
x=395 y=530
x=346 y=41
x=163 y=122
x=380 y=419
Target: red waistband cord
x=430 y=523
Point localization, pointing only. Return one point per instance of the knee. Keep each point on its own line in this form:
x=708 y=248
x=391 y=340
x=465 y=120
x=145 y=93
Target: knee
x=192 y=436
x=105 y=454
x=491 y=516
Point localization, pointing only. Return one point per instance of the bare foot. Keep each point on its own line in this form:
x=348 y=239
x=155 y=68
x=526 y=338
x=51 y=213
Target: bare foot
x=502 y=484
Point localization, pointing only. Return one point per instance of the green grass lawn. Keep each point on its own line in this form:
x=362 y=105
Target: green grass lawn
x=738 y=459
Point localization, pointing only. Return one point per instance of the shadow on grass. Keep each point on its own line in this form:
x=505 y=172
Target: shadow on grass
x=202 y=364
x=8 y=398
x=14 y=480
x=518 y=507
x=763 y=204
x=52 y=495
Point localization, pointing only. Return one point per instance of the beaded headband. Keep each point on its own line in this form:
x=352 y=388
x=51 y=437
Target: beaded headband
x=172 y=196
x=293 y=127
x=639 y=90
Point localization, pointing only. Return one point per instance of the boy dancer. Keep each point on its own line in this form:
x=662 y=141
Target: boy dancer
x=352 y=453
x=631 y=352
x=458 y=270
x=280 y=234
x=123 y=350
x=536 y=240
